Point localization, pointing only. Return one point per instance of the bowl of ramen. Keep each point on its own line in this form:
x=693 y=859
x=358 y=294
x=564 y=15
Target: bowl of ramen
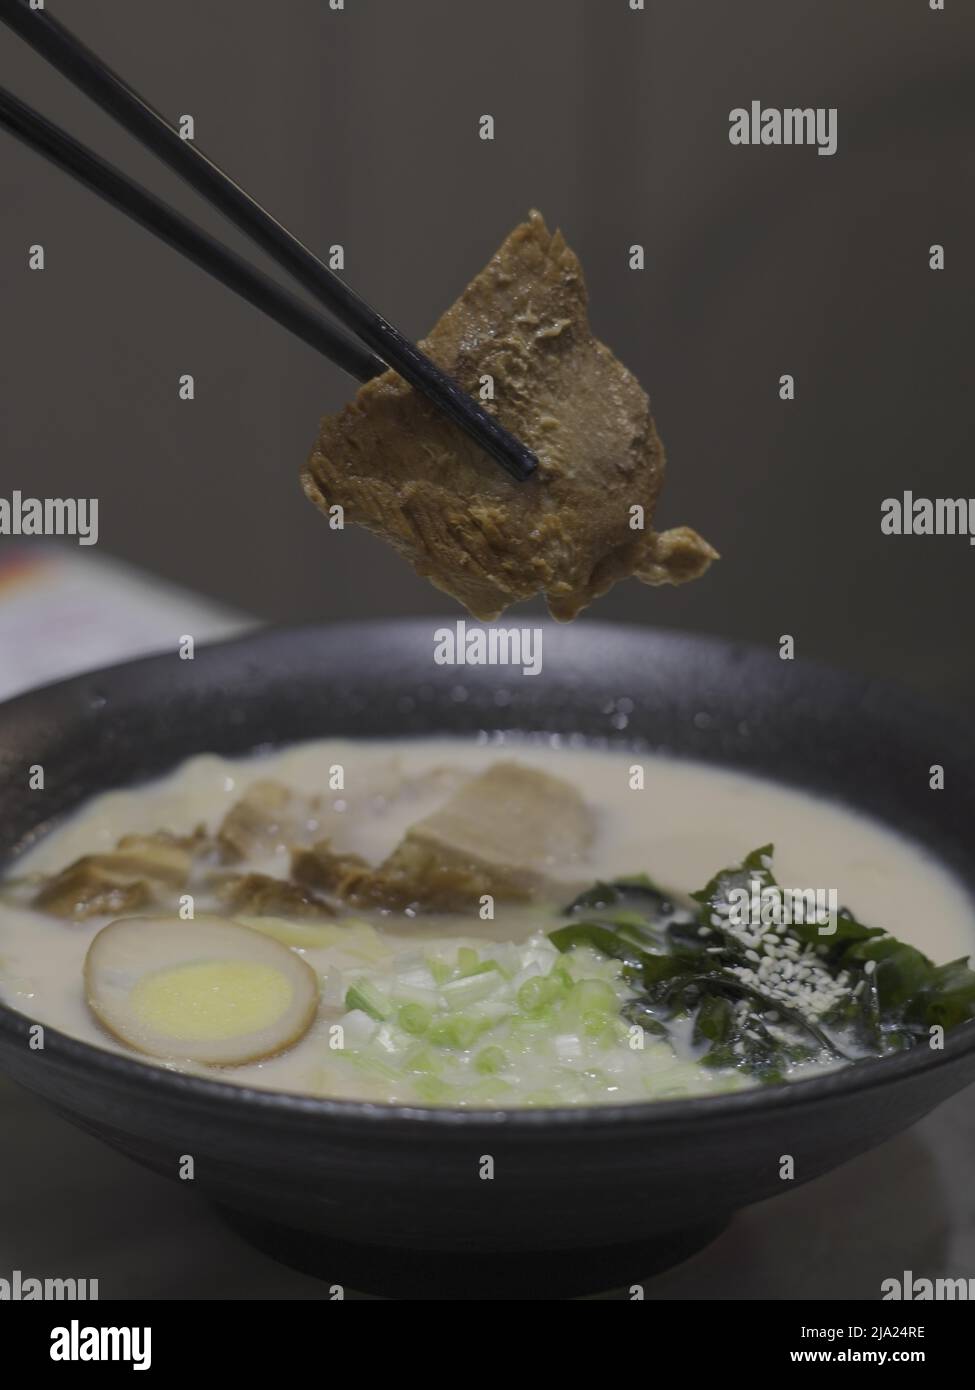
x=464 y=981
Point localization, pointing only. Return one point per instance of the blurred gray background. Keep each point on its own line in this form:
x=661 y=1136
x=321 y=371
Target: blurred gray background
x=360 y=127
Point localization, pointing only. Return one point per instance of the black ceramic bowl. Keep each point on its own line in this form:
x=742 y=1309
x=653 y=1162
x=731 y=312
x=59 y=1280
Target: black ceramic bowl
x=391 y=1199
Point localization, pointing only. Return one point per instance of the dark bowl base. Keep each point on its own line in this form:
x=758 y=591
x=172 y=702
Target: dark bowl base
x=421 y=1274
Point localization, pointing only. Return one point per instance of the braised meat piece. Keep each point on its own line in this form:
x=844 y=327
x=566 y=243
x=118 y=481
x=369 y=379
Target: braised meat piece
x=402 y=470
x=507 y=832
x=140 y=870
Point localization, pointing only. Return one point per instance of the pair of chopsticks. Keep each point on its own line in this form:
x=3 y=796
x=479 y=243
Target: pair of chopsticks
x=379 y=344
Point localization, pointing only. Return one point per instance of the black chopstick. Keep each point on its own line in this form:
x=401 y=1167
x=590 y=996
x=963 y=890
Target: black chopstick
x=193 y=242
x=82 y=67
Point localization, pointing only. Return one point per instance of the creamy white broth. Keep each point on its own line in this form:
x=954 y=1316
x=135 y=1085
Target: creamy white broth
x=689 y=820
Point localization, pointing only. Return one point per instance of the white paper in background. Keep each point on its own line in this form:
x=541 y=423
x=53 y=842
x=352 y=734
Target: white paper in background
x=62 y=613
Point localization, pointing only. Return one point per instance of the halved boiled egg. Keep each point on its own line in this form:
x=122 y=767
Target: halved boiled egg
x=206 y=990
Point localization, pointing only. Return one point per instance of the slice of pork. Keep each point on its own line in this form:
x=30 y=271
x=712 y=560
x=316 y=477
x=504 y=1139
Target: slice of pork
x=400 y=468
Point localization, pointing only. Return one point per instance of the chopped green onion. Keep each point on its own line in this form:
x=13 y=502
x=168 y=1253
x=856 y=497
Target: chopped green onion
x=589 y=995
x=470 y=988
x=439 y=969
x=414 y=1019
x=373 y=1066
x=467 y=960
x=423 y=1059
x=365 y=996
x=456 y=1030
x=532 y=995
x=540 y=990
x=594 y=1021
x=432 y=1089
x=490 y=1060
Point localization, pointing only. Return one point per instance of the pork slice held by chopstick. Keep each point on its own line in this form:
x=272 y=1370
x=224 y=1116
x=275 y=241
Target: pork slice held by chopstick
x=399 y=468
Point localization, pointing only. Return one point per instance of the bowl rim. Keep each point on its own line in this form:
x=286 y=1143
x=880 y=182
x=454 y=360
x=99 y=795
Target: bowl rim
x=221 y=1098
